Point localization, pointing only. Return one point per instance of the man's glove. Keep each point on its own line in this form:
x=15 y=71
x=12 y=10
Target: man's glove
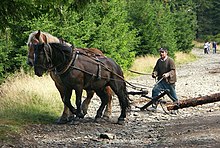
x=154 y=75
x=166 y=75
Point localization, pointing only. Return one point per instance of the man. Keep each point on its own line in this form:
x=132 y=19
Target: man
x=206 y=47
x=214 y=46
x=165 y=71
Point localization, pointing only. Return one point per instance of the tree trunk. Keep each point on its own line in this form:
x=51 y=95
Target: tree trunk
x=195 y=101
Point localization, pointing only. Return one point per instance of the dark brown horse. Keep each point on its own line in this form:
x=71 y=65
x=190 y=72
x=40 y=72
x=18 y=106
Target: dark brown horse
x=43 y=37
x=79 y=71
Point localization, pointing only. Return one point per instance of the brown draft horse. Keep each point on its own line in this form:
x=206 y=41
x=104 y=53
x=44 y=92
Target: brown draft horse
x=79 y=71
x=43 y=37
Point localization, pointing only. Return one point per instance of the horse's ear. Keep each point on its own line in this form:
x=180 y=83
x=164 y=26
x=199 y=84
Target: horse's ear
x=37 y=35
x=44 y=38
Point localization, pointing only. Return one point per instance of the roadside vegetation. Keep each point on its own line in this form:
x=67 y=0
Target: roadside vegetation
x=26 y=99
x=122 y=29
x=145 y=64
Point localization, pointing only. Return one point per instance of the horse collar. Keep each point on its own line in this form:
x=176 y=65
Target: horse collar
x=72 y=61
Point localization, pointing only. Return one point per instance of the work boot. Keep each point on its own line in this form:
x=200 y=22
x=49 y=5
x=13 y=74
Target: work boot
x=153 y=108
x=177 y=103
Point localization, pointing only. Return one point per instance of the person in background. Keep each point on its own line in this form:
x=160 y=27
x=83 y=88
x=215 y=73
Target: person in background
x=164 y=69
x=214 y=46
x=206 y=46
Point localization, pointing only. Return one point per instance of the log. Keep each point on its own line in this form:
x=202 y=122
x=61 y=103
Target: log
x=194 y=101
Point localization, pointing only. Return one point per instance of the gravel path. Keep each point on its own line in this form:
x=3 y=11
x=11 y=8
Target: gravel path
x=191 y=127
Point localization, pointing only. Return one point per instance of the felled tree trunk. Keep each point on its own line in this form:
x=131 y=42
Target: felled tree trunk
x=195 y=101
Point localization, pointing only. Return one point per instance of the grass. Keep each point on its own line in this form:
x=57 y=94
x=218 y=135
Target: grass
x=182 y=58
x=198 y=44
x=27 y=99
x=145 y=64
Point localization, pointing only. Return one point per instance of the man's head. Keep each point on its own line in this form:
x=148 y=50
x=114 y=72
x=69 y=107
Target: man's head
x=163 y=52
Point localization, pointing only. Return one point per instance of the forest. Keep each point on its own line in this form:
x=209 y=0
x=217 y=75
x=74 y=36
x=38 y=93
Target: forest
x=122 y=29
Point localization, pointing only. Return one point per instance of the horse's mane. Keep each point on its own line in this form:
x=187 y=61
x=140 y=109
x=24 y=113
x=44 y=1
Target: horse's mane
x=62 y=47
x=50 y=37
x=30 y=37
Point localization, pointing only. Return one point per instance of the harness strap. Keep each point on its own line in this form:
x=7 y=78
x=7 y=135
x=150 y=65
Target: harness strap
x=99 y=76
x=101 y=64
x=72 y=60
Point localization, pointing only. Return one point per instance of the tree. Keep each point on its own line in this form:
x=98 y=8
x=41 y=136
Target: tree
x=101 y=25
x=208 y=17
x=186 y=24
x=155 y=24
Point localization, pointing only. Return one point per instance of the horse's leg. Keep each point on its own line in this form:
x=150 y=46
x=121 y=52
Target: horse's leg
x=86 y=102
x=104 y=100
x=66 y=100
x=66 y=112
x=78 y=92
x=120 y=90
x=108 y=108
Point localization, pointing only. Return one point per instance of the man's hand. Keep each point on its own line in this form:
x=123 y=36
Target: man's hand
x=154 y=75
x=166 y=75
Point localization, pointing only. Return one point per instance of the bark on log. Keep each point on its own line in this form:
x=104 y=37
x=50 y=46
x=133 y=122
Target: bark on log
x=195 y=101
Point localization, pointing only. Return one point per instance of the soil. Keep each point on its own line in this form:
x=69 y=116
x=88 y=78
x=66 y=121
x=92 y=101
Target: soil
x=190 y=127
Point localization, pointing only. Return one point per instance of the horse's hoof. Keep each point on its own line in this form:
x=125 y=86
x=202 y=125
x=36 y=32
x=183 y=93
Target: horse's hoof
x=97 y=120
x=75 y=121
x=121 y=122
x=84 y=111
x=107 y=114
x=61 y=120
x=70 y=118
x=106 y=117
x=84 y=108
x=80 y=115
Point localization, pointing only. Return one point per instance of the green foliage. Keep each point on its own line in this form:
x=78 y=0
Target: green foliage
x=156 y=26
x=11 y=58
x=112 y=33
x=185 y=33
x=208 y=17
x=5 y=50
x=217 y=39
x=101 y=25
x=121 y=29
x=4 y=65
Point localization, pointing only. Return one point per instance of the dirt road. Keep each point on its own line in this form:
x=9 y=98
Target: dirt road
x=191 y=127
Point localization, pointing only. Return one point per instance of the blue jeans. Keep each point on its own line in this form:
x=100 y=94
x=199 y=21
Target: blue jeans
x=162 y=86
x=214 y=50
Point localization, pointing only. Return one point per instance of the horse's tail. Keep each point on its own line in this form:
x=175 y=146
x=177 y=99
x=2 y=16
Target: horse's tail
x=126 y=98
x=119 y=86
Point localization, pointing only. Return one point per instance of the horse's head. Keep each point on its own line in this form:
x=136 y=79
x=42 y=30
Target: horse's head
x=40 y=37
x=42 y=58
x=34 y=38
